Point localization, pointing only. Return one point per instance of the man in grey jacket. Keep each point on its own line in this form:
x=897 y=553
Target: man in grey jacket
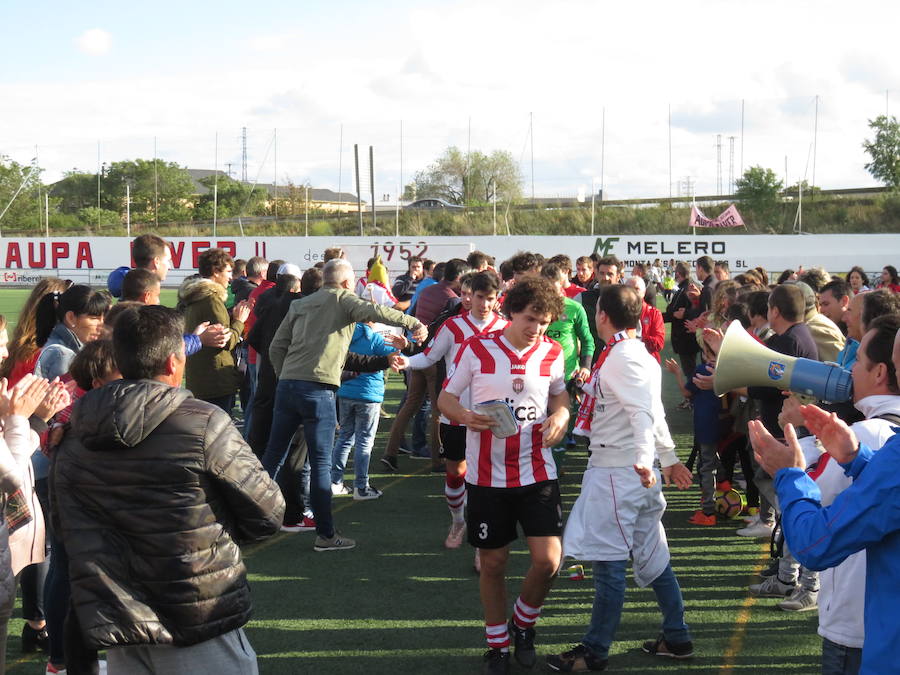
x=308 y=353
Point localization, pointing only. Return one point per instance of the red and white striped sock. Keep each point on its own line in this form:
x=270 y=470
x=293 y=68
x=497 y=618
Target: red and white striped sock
x=497 y=636
x=455 y=492
x=524 y=615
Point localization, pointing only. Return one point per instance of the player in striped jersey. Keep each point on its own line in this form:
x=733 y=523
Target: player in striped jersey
x=512 y=480
x=481 y=289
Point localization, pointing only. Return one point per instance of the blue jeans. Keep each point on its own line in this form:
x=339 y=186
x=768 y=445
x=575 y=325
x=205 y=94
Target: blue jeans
x=609 y=598
x=840 y=660
x=312 y=405
x=359 y=422
x=251 y=387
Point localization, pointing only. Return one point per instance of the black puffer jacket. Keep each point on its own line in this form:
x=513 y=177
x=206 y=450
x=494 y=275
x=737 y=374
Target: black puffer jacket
x=151 y=491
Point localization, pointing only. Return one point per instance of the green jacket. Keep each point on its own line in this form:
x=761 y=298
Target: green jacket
x=312 y=341
x=211 y=372
x=571 y=331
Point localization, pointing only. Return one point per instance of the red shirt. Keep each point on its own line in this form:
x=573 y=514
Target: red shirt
x=572 y=290
x=653 y=330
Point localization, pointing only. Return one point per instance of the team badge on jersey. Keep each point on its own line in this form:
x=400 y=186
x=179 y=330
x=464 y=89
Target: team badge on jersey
x=518 y=385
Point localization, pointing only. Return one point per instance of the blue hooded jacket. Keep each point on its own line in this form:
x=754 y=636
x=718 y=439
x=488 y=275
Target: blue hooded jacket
x=864 y=516
x=366 y=386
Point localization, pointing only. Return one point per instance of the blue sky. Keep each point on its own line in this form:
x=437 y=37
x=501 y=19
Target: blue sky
x=75 y=74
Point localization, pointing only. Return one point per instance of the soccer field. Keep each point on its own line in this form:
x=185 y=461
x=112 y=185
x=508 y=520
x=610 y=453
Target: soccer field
x=401 y=603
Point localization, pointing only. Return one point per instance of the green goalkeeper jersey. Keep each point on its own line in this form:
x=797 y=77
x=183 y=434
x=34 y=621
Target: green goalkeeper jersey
x=571 y=331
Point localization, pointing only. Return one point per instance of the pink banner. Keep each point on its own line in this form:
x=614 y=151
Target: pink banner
x=728 y=218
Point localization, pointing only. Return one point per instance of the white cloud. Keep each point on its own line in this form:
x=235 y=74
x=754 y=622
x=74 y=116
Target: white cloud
x=94 y=41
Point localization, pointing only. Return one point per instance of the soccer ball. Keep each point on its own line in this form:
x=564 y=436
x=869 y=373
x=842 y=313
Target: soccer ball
x=730 y=503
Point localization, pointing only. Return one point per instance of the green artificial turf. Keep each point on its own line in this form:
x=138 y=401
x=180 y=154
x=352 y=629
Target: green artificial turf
x=401 y=603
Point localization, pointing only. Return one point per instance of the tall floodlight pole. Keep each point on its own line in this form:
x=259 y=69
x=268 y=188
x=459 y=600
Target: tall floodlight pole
x=815 y=139
x=593 y=191
x=531 y=136
x=358 y=193
x=670 y=155
x=602 y=152
x=155 y=187
x=372 y=180
x=128 y=209
x=215 y=183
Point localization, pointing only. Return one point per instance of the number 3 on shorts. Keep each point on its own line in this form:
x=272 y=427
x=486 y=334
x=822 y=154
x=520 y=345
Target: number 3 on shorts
x=483 y=533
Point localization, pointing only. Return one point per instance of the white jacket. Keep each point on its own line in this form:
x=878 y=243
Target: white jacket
x=842 y=588
x=629 y=425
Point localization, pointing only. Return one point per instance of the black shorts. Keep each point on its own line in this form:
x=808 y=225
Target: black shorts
x=453 y=442
x=494 y=512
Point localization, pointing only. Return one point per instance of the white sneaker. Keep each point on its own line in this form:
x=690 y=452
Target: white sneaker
x=455 y=535
x=366 y=493
x=338 y=489
x=772 y=587
x=758 y=530
x=801 y=600
x=752 y=520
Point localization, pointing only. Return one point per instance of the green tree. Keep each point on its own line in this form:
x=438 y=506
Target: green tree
x=151 y=181
x=20 y=185
x=77 y=190
x=468 y=178
x=759 y=190
x=884 y=150
x=234 y=198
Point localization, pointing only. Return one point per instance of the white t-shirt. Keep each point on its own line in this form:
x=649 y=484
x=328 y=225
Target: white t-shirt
x=491 y=369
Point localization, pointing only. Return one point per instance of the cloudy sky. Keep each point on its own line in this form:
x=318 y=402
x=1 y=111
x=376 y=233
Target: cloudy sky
x=331 y=74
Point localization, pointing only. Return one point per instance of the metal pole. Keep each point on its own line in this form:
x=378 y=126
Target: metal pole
x=98 y=184
x=372 y=180
x=741 y=172
x=358 y=193
x=306 y=202
x=593 y=190
x=531 y=136
x=128 y=210
x=155 y=187
x=815 y=139
x=275 y=184
x=340 y=160
x=494 y=195
x=602 y=152
x=47 y=212
x=670 y=156
x=216 y=184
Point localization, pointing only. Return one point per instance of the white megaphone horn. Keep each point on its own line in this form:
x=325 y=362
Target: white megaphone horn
x=744 y=362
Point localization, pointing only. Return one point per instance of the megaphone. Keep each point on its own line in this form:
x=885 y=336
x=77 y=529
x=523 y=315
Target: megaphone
x=744 y=362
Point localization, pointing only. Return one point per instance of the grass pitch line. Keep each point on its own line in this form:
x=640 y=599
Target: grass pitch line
x=736 y=641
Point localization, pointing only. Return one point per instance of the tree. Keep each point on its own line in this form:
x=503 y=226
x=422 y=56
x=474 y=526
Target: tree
x=152 y=182
x=24 y=208
x=235 y=198
x=884 y=150
x=468 y=178
x=758 y=189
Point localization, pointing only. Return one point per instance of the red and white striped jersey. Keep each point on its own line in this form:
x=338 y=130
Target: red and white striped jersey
x=447 y=341
x=491 y=368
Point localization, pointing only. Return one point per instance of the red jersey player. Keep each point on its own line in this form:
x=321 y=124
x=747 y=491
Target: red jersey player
x=482 y=291
x=512 y=481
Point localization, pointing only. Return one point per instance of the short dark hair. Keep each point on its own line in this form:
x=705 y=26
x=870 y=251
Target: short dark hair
x=738 y=311
x=723 y=264
x=506 y=270
x=878 y=303
x=758 y=303
x=609 y=261
x=788 y=300
x=427 y=265
x=705 y=263
x=785 y=276
x=239 y=267
x=438 y=272
x=476 y=259
x=892 y=273
x=815 y=278
x=838 y=288
x=213 y=260
x=144 y=338
x=272 y=270
x=95 y=361
x=147 y=247
x=110 y=318
x=682 y=270
x=311 y=281
x=881 y=346
x=484 y=282
x=137 y=282
x=80 y=299
x=552 y=271
x=536 y=292
x=413 y=259
x=622 y=305
x=524 y=262
x=256 y=266
x=454 y=269
x=584 y=260
x=562 y=261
